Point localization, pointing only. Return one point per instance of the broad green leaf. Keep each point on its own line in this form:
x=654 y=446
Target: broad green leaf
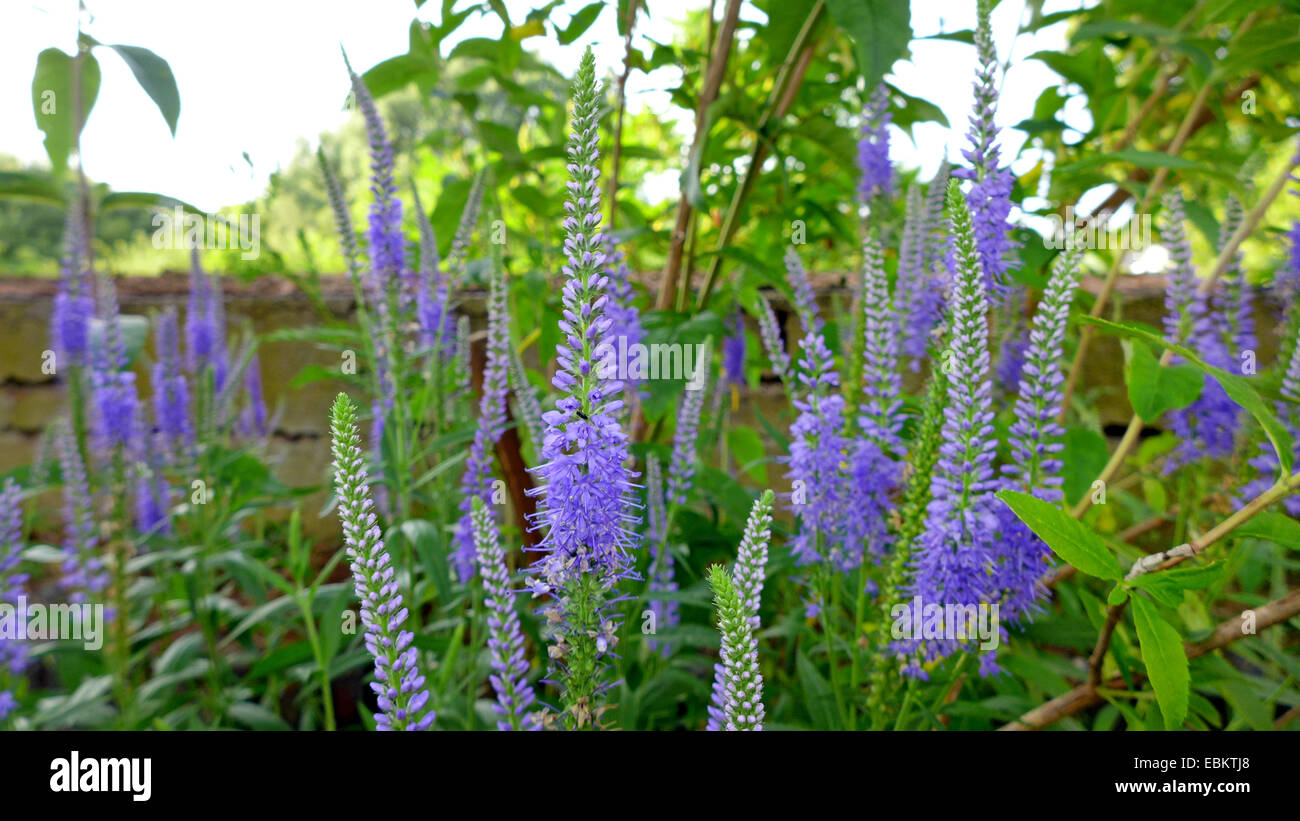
x=38 y=187
x=580 y=22
x=1153 y=389
x=1272 y=527
x=881 y=31
x=817 y=695
x=1072 y=540
x=1085 y=456
x=52 y=101
x=256 y=717
x=155 y=77
x=1166 y=661
x=747 y=448
x=1237 y=387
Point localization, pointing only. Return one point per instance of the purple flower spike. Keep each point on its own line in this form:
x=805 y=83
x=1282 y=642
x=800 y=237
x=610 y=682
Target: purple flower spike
x=83 y=571
x=805 y=299
x=733 y=348
x=476 y=481
x=773 y=342
x=661 y=557
x=587 y=507
x=171 y=390
x=73 y=305
x=13 y=653
x=876 y=173
x=747 y=578
x=956 y=548
x=399 y=684
x=515 y=697
x=681 y=468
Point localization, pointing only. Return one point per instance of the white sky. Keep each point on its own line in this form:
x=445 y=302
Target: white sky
x=257 y=76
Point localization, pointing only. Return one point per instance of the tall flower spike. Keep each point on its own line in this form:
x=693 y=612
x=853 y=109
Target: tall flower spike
x=476 y=481
x=805 y=299
x=876 y=175
x=820 y=493
x=990 y=196
x=882 y=384
x=770 y=331
x=252 y=419
x=83 y=571
x=747 y=577
x=681 y=468
x=956 y=549
x=526 y=404
x=1021 y=558
x=509 y=678
x=587 y=509
x=661 y=557
x=115 y=400
x=73 y=305
x=1180 y=282
x=733 y=347
x=13 y=654
x=1207 y=427
x=431 y=297
x=388 y=268
x=342 y=220
x=399 y=684
x=624 y=318
x=742 y=695
x=171 y=390
x=1265 y=463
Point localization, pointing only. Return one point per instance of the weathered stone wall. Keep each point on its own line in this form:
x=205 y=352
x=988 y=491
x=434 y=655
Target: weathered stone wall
x=299 y=447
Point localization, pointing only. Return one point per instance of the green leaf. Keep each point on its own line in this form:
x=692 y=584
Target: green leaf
x=155 y=77
x=38 y=187
x=1153 y=389
x=881 y=31
x=52 y=101
x=1271 y=527
x=580 y=22
x=1166 y=661
x=747 y=446
x=256 y=717
x=1085 y=456
x=395 y=73
x=1167 y=586
x=817 y=695
x=1071 y=540
x=1237 y=387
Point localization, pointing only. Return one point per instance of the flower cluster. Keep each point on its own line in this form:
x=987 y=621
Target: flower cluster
x=509 y=678
x=770 y=332
x=476 y=482
x=13 y=655
x=990 y=195
x=587 y=508
x=742 y=688
x=956 y=548
x=73 y=304
x=805 y=299
x=399 y=683
x=747 y=578
x=681 y=468
x=877 y=174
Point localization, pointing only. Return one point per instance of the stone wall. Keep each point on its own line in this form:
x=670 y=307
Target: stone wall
x=299 y=446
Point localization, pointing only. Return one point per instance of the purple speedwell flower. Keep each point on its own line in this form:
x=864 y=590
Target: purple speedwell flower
x=820 y=495
x=476 y=481
x=398 y=683
x=733 y=348
x=990 y=196
x=742 y=692
x=773 y=342
x=73 y=305
x=509 y=677
x=923 y=265
x=874 y=471
x=252 y=420
x=13 y=654
x=587 y=509
x=384 y=235
x=747 y=578
x=1208 y=427
x=876 y=174
x=624 y=318
x=431 y=298
x=1020 y=557
x=681 y=468
x=526 y=403
x=83 y=570
x=805 y=299
x=205 y=325
x=954 y=553
x=115 y=400
x=661 y=557
x=1265 y=463
x=171 y=390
